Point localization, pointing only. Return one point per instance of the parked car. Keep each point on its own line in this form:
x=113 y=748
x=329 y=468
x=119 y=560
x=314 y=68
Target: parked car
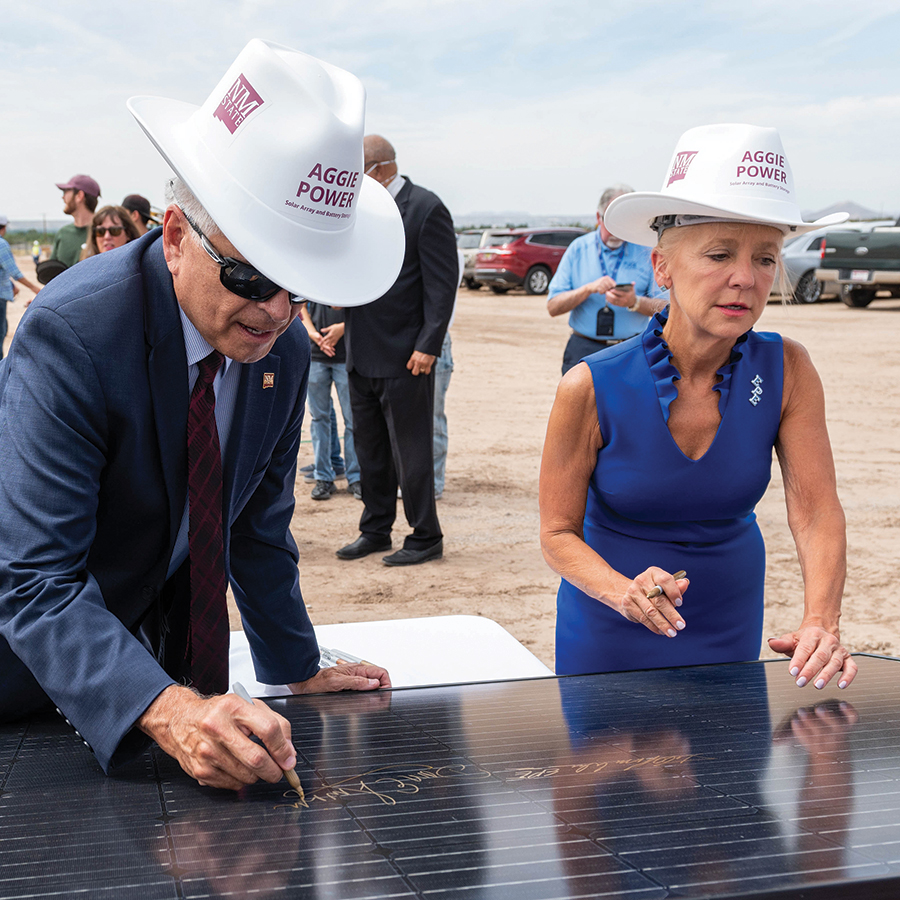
x=468 y=242
x=525 y=257
x=862 y=264
x=802 y=256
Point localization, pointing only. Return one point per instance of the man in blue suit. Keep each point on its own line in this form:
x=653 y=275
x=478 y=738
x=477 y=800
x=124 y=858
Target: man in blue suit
x=95 y=568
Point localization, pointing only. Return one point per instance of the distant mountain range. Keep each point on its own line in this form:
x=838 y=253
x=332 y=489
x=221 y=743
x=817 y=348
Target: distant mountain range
x=857 y=213
x=51 y=225
x=510 y=218
x=518 y=218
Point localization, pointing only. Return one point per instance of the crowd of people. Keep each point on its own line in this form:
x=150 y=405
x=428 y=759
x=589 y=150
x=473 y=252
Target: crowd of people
x=152 y=403
x=91 y=232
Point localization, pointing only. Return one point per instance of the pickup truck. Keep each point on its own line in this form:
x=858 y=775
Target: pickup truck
x=862 y=263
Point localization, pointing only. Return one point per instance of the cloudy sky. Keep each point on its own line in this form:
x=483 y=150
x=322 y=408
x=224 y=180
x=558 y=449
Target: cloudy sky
x=530 y=105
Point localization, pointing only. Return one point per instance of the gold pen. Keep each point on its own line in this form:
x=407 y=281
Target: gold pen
x=290 y=774
x=656 y=590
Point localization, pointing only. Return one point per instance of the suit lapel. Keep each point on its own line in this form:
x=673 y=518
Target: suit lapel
x=402 y=198
x=253 y=409
x=167 y=373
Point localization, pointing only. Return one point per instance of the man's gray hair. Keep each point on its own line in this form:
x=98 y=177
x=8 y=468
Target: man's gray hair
x=181 y=195
x=609 y=195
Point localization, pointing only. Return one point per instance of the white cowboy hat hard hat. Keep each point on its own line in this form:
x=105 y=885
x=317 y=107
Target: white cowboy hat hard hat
x=275 y=155
x=724 y=172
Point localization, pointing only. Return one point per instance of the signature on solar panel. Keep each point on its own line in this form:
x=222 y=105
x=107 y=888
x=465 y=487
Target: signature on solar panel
x=383 y=783
x=592 y=768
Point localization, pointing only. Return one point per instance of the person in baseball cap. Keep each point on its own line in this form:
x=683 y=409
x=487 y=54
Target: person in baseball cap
x=659 y=448
x=150 y=419
x=83 y=183
x=80 y=195
x=141 y=212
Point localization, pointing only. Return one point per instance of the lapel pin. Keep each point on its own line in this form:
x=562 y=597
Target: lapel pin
x=268 y=380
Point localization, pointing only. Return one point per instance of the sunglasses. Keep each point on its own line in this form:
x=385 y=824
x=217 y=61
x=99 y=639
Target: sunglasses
x=113 y=230
x=239 y=277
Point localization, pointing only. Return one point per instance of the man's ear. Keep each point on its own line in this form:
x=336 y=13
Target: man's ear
x=174 y=235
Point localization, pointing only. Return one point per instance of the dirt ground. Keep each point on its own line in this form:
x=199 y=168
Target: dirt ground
x=507 y=354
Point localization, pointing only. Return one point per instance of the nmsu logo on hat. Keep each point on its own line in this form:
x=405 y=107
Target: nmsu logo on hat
x=681 y=165
x=239 y=101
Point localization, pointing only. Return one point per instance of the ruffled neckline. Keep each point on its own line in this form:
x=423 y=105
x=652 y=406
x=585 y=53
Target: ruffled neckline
x=663 y=370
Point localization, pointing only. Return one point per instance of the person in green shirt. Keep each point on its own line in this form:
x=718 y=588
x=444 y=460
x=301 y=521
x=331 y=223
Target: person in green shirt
x=80 y=195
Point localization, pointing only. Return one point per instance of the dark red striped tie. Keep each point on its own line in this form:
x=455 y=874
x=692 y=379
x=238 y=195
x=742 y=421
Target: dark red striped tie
x=207 y=646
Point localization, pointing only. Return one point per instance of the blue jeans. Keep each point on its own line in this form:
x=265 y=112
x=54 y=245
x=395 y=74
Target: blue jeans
x=443 y=369
x=321 y=377
x=337 y=461
x=4 y=325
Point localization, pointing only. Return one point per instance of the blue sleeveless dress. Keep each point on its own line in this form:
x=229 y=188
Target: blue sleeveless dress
x=650 y=505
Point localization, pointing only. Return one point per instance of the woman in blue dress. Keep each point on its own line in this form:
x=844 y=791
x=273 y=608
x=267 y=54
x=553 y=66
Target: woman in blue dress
x=659 y=448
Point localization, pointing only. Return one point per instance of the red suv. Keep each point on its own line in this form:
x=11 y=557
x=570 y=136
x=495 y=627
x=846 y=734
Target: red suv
x=522 y=256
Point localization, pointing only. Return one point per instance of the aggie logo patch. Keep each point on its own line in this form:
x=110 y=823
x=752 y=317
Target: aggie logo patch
x=681 y=165
x=239 y=101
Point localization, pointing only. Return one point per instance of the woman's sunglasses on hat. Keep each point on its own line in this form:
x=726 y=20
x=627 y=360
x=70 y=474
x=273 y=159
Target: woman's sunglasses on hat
x=239 y=277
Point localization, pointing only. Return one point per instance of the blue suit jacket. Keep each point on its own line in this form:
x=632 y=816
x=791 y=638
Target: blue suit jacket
x=93 y=480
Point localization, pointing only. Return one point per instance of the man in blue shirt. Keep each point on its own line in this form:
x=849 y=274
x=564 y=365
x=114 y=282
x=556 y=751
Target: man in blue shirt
x=606 y=285
x=9 y=272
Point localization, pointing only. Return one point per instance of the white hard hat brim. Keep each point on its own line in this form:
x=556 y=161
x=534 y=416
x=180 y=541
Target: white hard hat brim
x=341 y=268
x=629 y=217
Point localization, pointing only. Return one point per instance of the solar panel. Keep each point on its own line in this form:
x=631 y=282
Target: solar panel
x=709 y=781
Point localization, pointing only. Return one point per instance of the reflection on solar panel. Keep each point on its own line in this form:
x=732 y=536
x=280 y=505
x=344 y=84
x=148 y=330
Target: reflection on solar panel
x=713 y=781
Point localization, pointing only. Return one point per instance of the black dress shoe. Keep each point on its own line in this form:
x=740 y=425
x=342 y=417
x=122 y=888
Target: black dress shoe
x=363 y=546
x=408 y=557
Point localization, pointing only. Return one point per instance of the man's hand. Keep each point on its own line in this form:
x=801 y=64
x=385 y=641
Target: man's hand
x=349 y=677
x=566 y=301
x=602 y=285
x=331 y=334
x=210 y=737
x=322 y=343
x=420 y=363
x=621 y=296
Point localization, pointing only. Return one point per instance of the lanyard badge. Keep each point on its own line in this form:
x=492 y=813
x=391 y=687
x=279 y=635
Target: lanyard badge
x=605 y=315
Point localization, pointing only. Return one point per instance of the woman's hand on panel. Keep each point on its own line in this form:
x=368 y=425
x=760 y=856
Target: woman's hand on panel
x=659 y=614
x=817 y=655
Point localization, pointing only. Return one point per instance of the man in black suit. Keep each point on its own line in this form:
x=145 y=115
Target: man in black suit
x=391 y=348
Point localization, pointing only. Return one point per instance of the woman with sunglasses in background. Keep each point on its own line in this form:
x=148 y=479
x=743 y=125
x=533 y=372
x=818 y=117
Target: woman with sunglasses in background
x=112 y=227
